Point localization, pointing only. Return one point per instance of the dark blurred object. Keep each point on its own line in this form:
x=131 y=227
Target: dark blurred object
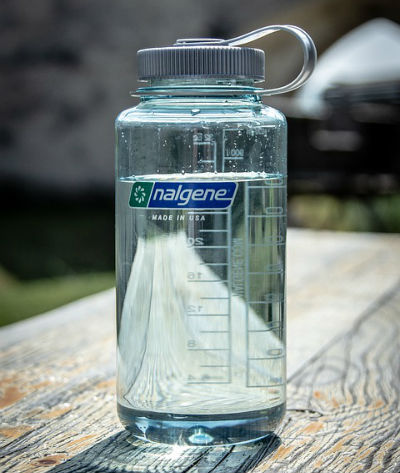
x=344 y=124
x=376 y=93
x=66 y=70
x=355 y=149
x=57 y=237
x=366 y=56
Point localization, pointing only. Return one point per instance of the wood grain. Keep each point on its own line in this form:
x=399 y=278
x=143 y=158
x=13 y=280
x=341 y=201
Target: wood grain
x=344 y=410
x=57 y=386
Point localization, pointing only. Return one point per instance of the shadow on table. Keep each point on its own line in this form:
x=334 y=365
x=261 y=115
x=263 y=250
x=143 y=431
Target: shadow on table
x=122 y=453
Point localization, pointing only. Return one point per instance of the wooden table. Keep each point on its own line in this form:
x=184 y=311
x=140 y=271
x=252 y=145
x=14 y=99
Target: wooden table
x=57 y=387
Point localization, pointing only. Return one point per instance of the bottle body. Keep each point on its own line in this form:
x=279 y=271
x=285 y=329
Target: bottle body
x=200 y=250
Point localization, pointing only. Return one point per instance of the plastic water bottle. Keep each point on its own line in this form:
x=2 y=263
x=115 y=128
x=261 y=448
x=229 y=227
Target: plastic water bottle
x=200 y=245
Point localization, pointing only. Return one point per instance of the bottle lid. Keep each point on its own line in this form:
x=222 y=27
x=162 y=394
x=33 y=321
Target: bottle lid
x=221 y=58
x=201 y=58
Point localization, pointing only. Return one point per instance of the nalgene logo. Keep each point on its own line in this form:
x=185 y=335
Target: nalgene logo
x=183 y=195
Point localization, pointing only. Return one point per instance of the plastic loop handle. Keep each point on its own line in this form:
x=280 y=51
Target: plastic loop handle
x=308 y=46
x=309 y=53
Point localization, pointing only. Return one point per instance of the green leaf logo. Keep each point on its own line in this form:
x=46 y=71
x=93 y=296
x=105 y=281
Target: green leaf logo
x=140 y=194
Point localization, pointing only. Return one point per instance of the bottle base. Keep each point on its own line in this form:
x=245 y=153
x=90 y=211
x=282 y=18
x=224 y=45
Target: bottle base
x=201 y=430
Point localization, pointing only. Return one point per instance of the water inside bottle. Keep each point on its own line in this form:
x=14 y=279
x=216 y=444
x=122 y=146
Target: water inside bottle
x=201 y=312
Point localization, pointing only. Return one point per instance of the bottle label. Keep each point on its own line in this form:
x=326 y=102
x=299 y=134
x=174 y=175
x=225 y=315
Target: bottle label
x=182 y=195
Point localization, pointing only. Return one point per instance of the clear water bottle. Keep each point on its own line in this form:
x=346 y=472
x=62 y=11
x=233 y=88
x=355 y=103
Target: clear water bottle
x=200 y=245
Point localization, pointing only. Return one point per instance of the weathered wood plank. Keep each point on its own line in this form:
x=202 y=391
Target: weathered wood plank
x=344 y=408
x=92 y=310
x=343 y=416
x=57 y=388
x=333 y=278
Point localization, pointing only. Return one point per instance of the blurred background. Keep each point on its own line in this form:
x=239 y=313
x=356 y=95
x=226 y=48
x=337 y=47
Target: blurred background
x=67 y=67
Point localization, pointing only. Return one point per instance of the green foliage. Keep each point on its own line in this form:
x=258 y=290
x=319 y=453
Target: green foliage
x=52 y=258
x=57 y=240
x=326 y=212
x=20 y=300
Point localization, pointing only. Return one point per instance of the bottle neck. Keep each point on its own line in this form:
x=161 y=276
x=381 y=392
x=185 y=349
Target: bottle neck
x=199 y=87
x=199 y=81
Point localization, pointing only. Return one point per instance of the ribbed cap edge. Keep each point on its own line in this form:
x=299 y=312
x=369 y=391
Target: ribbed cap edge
x=201 y=61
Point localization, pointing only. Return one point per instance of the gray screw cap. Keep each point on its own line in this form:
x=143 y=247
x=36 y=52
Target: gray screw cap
x=201 y=58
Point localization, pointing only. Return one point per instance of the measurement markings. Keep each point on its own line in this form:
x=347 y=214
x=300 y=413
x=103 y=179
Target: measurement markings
x=267 y=215
x=212 y=231
x=214 y=298
x=207 y=315
x=263 y=330
x=211 y=144
x=214 y=331
x=266 y=358
x=208 y=349
x=229 y=240
x=211 y=247
x=214 y=264
x=271 y=301
x=214 y=366
x=246 y=279
x=264 y=385
x=267 y=245
x=267 y=272
x=207 y=280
